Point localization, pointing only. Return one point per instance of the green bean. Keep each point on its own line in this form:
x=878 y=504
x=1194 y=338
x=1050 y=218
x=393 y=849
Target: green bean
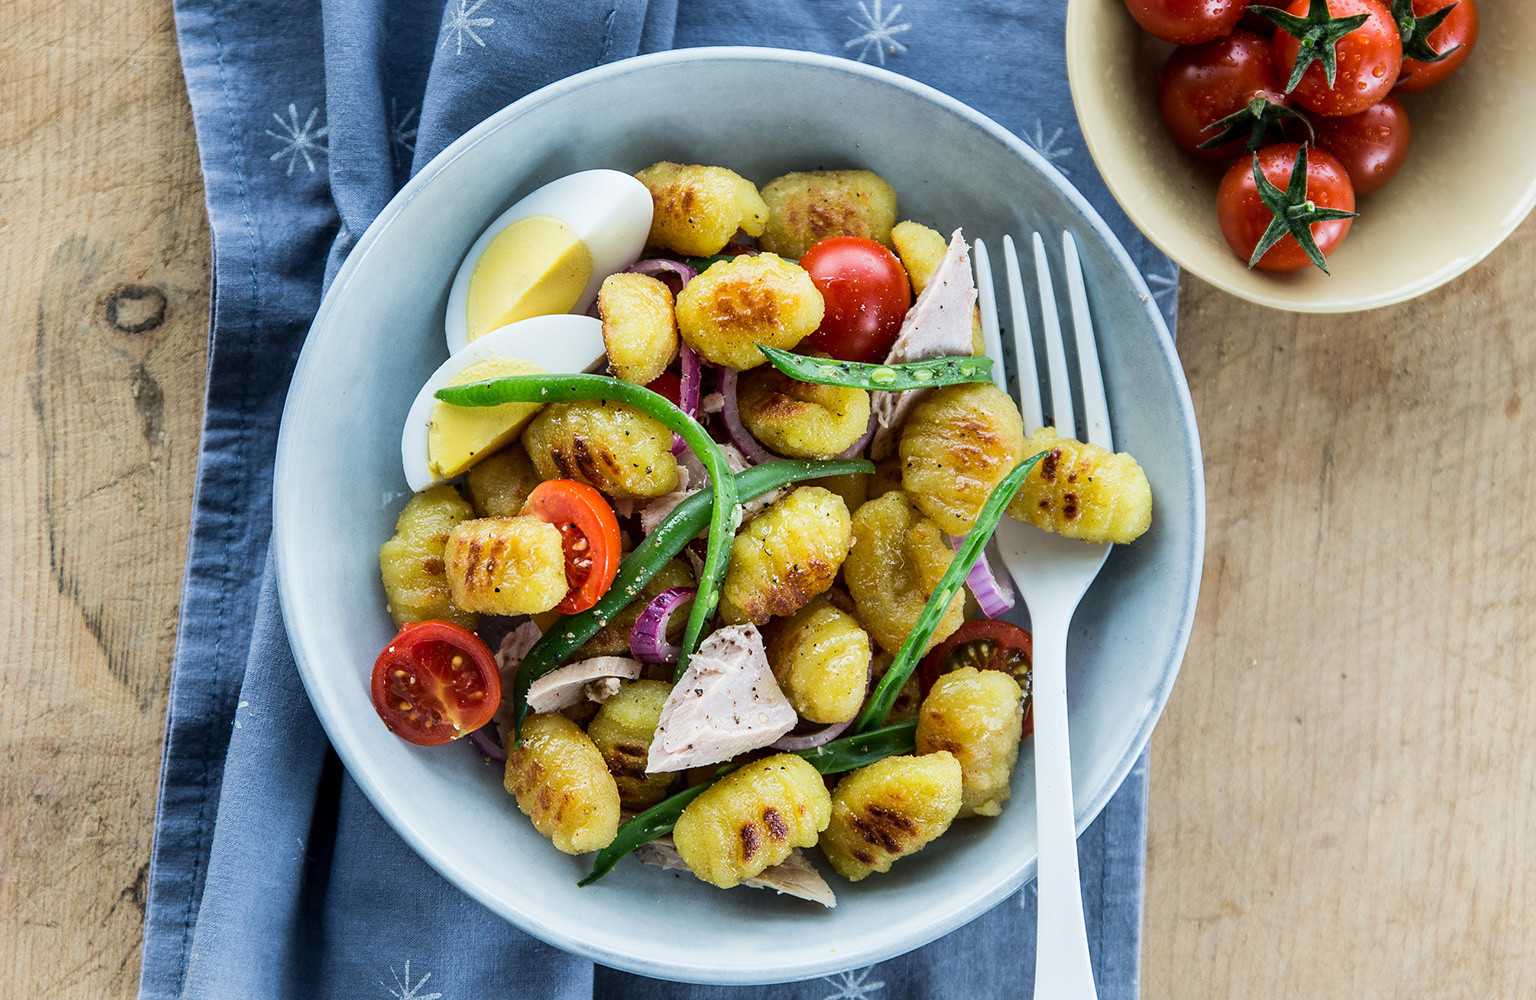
x=892 y=378
x=671 y=535
x=879 y=704
x=846 y=754
x=725 y=515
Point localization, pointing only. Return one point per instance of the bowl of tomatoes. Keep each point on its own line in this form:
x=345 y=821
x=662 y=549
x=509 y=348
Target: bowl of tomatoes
x=1314 y=155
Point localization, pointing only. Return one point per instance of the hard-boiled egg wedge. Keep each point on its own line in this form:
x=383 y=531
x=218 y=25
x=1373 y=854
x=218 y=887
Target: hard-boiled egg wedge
x=440 y=441
x=549 y=253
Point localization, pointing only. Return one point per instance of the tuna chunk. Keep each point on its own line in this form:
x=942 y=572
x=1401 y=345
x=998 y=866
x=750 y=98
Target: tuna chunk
x=726 y=703
x=793 y=876
x=567 y=685
x=937 y=326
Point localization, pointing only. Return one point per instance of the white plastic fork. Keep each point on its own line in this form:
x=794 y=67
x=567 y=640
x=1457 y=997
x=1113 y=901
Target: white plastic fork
x=1052 y=573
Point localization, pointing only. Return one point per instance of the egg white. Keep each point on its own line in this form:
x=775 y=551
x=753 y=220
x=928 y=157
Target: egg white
x=608 y=210
x=564 y=342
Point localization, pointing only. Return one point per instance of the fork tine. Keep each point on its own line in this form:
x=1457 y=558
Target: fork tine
x=986 y=298
x=1055 y=350
x=1095 y=406
x=1023 y=341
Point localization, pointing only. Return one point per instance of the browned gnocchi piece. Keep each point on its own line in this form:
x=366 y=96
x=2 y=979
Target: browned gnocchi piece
x=1083 y=491
x=697 y=209
x=506 y=565
x=785 y=556
x=820 y=657
x=737 y=304
x=853 y=488
x=809 y=206
x=957 y=445
x=802 y=419
x=609 y=446
x=890 y=809
x=622 y=733
x=977 y=715
x=751 y=819
x=921 y=250
x=500 y=484
x=411 y=563
x=639 y=327
x=897 y=560
x=561 y=783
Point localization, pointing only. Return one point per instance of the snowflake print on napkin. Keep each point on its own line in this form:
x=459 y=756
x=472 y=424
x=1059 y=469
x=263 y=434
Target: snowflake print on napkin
x=880 y=31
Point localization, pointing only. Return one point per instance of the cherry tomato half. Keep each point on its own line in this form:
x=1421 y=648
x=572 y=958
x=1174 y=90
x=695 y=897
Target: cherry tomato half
x=867 y=294
x=1187 y=22
x=1458 y=31
x=1368 y=60
x=986 y=644
x=434 y=682
x=670 y=385
x=590 y=532
x=1203 y=84
x=1244 y=216
x=1372 y=145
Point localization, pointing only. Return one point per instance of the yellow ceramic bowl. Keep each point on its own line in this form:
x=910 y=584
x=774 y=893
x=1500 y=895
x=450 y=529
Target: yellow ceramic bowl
x=1469 y=180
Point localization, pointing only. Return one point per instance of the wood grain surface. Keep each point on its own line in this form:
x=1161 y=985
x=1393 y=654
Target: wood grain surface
x=1340 y=788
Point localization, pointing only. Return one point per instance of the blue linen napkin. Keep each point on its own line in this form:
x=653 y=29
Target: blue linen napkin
x=272 y=876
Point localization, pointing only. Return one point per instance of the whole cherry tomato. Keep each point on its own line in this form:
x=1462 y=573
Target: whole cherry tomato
x=986 y=644
x=1203 y=84
x=1367 y=59
x=1187 y=22
x=590 y=533
x=1245 y=218
x=1372 y=145
x=434 y=682
x=866 y=293
x=1456 y=35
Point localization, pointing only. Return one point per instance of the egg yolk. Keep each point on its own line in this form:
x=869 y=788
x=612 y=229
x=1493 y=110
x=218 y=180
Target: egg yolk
x=459 y=436
x=537 y=266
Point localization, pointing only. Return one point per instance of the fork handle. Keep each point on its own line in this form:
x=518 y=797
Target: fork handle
x=1063 y=968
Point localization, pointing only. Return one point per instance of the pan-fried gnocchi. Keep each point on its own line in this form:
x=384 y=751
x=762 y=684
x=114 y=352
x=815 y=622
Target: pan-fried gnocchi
x=921 y=250
x=411 y=563
x=785 y=556
x=561 y=783
x=821 y=657
x=697 y=209
x=506 y=565
x=500 y=485
x=737 y=304
x=1083 y=491
x=622 y=733
x=959 y=443
x=608 y=446
x=752 y=818
x=802 y=419
x=889 y=809
x=897 y=559
x=977 y=715
x=806 y=207
x=639 y=327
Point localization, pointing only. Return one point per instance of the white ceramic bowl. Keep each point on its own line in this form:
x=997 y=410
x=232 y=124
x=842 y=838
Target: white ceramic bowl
x=378 y=335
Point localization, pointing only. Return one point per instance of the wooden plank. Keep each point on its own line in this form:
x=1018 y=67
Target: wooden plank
x=103 y=283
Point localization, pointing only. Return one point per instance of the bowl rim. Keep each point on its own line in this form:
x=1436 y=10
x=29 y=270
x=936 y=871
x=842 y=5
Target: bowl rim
x=1076 y=45
x=288 y=543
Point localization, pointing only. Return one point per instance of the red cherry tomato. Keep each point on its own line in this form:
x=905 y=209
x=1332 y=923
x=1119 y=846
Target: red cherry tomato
x=1187 y=22
x=1372 y=145
x=1458 y=31
x=1368 y=60
x=1244 y=217
x=670 y=385
x=867 y=295
x=434 y=682
x=1203 y=84
x=590 y=532
x=986 y=644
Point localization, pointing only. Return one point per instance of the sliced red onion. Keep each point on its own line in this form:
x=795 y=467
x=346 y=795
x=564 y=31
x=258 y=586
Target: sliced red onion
x=487 y=745
x=661 y=267
x=994 y=596
x=857 y=448
x=648 y=639
x=688 y=393
x=805 y=741
x=744 y=441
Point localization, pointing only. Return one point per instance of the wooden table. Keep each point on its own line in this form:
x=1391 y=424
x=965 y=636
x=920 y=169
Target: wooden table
x=1340 y=788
